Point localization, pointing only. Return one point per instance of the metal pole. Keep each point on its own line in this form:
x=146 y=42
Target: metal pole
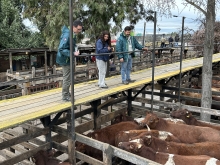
x=181 y=57
x=143 y=41
x=71 y=123
x=153 y=65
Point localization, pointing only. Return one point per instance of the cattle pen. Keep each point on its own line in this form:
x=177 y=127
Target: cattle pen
x=100 y=106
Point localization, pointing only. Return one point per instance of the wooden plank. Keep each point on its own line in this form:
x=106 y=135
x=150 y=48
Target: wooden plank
x=25 y=155
x=23 y=138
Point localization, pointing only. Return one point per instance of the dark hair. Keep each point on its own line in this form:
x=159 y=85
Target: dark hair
x=102 y=37
x=77 y=23
x=127 y=28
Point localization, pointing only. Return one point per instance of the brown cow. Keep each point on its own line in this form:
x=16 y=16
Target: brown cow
x=106 y=135
x=45 y=158
x=194 y=95
x=125 y=136
x=165 y=158
x=204 y=148
x=185 y=133
x=122 y=117
x=186 y=116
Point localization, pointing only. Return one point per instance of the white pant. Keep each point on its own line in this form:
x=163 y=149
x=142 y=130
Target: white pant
x=102 y=67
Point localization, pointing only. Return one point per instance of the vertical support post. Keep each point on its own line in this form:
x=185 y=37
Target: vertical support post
x=108 y=69
x=129 y=102
x=54 y=72
x=162 y=90
x=10 y=62
x=107 y=155
x=70 y=113
x=143 y=40
x=51 y=59
x=154 y=40
x=181 y=57
x=25 y=90
x=190 y=78
x=45 y=66
x=46 y=123
x=33 y=75
x=96 y=113
x=29 y=56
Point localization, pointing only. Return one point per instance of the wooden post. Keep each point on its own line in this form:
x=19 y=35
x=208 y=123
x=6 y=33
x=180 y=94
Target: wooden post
x=7 y=74
x=162 y=82
x=25 y=90
x=54 y=72
x=10 y=62
x=129 y=101
x=45 y=65
x=96 y=114
x=51 y=59
x=33 y=75
x=107 y=154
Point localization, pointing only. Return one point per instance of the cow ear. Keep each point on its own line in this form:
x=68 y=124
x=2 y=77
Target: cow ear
x=157 y=120
x=139 y=146
x=33 y=159
x=132 y=146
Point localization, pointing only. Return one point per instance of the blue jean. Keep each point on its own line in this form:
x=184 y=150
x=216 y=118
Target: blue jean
x=126 y=69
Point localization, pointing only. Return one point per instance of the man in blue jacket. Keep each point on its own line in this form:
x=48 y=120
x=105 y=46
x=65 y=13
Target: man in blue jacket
x=125 y=43
x=63 y=56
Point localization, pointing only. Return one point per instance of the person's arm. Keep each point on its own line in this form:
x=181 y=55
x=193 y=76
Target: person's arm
x=137 y=45
x=100 y=48
x=64 y=47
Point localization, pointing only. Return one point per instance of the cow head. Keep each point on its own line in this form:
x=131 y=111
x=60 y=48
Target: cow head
x=81 y=147
x=41 y=157
x=183 y=114
x=132 y=147
x=151 y=120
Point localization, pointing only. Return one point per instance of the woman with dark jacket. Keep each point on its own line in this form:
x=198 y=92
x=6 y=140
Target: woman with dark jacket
x=103 y=45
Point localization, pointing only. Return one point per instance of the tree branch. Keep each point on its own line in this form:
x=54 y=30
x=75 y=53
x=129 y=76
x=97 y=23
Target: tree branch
x=196 y=6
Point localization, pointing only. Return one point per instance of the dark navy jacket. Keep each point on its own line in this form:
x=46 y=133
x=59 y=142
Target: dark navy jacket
x=102 y=48
x=63 y=53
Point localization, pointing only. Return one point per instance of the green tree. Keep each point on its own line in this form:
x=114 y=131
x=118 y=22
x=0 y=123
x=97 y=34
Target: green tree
x=97 y=16
x=13 y=32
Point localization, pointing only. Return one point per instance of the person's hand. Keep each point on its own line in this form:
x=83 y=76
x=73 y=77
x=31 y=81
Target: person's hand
x=121 y=60
x=109 y=48
x=76 y=53
x=145 y=49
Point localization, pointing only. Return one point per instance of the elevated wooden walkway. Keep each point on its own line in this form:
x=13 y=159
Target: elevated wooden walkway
x=26 y=108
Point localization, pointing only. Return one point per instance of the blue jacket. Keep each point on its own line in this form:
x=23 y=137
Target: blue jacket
x=102 y=48
x=63 y=53
x=122 y=46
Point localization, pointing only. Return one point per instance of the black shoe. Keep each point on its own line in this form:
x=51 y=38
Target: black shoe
x=67 y=99
x=131 y=81
x=125 y=82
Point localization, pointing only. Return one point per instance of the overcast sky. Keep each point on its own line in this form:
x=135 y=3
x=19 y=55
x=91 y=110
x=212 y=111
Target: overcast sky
x=168 y=25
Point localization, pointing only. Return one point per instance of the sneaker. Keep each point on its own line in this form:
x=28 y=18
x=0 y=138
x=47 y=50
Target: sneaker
x=67 y=99
x=125 y=82
x=104 y=87
x=131 y=81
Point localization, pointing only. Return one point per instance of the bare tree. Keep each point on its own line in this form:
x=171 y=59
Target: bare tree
x=206 y=8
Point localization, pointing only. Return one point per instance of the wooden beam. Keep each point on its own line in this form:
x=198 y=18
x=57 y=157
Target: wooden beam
x=25 y=155
x=22 y=138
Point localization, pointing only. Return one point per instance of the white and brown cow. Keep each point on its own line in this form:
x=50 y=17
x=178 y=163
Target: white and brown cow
x=185 y=133
x=165 y=158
